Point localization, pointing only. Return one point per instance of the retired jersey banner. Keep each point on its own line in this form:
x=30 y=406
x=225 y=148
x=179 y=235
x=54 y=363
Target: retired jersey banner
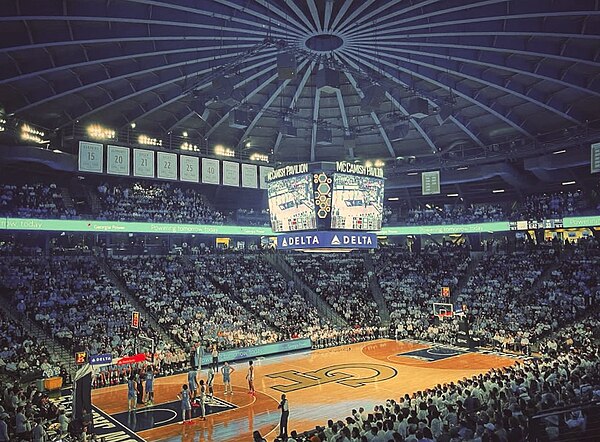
x=327 y=240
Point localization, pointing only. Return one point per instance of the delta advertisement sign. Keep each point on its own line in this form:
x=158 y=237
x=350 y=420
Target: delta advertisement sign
x=327 y=240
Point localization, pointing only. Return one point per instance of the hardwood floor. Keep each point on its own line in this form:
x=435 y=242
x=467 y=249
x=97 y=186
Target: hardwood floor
x=319 y=384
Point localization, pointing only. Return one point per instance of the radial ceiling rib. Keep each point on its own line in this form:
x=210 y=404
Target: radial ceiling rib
x=452 y=23
x=120 y=58
x=270 y=101
x=375 y=29
x=267 y=19
x=364 y=4
x=464 y=127
x=204 y=85
x=292 y=5
x=315 y=14
x=103 y=41
x=153 y=87
x=269 y=80
x=499 y=33
x=494 y=108
x=277 y=143
x=211 y=15
x=530 y=73
x=509 y=51
x=340 y=14
x=387 y=5
x=315 y=127
x=143 y=21
x=327 y=18
x=340 y=99
x=268 y=4
x=373 y=115
x=483 y=78
x=153 y=70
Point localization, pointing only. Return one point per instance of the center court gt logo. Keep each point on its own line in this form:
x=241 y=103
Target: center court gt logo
x=350 y=375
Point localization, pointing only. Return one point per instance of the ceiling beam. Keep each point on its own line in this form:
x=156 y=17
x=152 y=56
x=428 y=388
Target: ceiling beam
x=270 y=101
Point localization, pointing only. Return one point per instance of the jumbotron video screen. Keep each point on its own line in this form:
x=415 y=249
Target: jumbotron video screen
x=357 y=202
x=291 y=204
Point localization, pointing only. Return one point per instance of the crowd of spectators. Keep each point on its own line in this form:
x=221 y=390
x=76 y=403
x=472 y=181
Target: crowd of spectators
x=499 y=405
x=73 y=300
x=33 y=201
x=266 y=293
x=26 y=414
x=550 y=205
x=506 y=309
x=411 y=281
x=148 y=201
x=20 y=355
x=185 y=302
x=448 y=214
x=155 y=202
x=342 y=281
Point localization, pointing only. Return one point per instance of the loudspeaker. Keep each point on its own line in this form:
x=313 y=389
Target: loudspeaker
x=417 y=107
x=328 y=80
x=238 y=119
x=324 y=137
x=374 y=96
x=286 y=66
x=222 y=88
x=398 y=132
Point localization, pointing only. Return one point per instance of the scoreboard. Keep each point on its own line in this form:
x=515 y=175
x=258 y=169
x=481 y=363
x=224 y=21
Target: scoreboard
x=357 y=202
x=326 y=196
x=291 y=204
x=555 y=223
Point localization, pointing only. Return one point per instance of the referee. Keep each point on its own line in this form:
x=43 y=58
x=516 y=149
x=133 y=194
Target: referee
x=285 y=414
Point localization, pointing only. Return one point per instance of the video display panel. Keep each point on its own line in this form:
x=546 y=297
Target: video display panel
x=357 y=202
x=291 y=204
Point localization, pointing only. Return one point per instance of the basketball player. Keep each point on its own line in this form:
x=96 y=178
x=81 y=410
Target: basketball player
x=186 y=407
x=226 y=371
x=131 y=393
x=150 y=385
x=202 y=400
x=250 y=378
x=215 y=357
x=209 y=383
x=193 y=382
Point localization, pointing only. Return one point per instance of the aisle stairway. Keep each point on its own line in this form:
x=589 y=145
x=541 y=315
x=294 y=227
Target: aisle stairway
x=230 y=292
x=145 y=314
x=375 y=290
x=278 y=262
x=476 y=257
x=63 y=355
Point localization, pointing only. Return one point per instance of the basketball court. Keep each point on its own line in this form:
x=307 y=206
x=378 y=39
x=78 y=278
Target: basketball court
x=320 y=384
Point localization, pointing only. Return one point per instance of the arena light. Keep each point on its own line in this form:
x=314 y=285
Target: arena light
x=453 y=195
x=259 y=157
x=394 y=198
x=412 y=173
x=223 y=151
x=30 y=133
x=463 y=168
x=133 y=125
x=379 y=163
x=100 y=133
x=184 y=133
x=558 y=152
x=498 y=191
x=149 y=141
x=568 y=183
x=189 y=146
x=2 y=124
x=368 y=164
